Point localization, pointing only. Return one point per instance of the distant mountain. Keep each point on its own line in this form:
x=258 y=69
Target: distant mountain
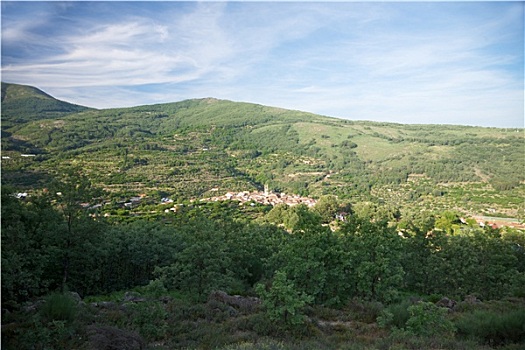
x=196 y=148
x=22 y=103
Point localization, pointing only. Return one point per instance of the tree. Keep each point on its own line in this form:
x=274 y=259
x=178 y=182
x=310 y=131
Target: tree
x=300 y=218
x=68 y=194
x=448 y=221
x=375 y=254
x=28 y=228
x=316 y=262
x=132 y=251
x=327 y=207
x=204 y=263
x=474 y=261
x=295 y=218
x=427 y=319
x=277 y=214
x=251 y=247
x=282 y=301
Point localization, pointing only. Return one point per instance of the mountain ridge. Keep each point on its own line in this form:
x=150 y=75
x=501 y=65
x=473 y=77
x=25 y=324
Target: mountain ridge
x=22 y=92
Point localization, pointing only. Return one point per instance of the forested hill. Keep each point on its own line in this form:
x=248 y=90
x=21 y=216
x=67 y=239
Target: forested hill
x=189 y=148
x=21 y=103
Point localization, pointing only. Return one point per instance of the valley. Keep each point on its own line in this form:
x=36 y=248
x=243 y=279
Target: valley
x=188 y=148
x=212 y=224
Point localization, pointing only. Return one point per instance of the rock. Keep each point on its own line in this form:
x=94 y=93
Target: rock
x=133 y=297
x=105 y=304
x=243 y=303
x=112 y=338
x=471 y=299
x=165 y=299
x=448 y=303
x=76 y=297
x=31 y=307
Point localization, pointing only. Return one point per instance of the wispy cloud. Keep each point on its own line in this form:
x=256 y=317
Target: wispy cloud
x=130 y=50
x=452 y=75
x=422 y=62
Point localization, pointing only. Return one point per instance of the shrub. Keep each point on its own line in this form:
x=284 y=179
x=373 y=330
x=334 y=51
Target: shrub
x=283 y=302
x=264 y=344
x=59 y=307
x=149 y=319
x=37 y=335
x=155 y=288
x=402 y=340
x=261 y=324
x=55 y=326
x=364 y=311
x=427 y=319
x=434 y=298
x=493 y=328
x=395 y=315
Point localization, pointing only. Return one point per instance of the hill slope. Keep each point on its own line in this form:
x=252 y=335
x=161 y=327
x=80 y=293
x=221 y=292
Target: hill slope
x=195 y=148
x=22 y=103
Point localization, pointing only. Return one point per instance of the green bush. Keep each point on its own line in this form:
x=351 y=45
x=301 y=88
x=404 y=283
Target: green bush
x=59 y=307
x=434 y=298
x=395 y=315
x=282 y=302
x=149 y=319
x=263 y=325
x=427 y=319
x=35 y=334
x=402 y=340
x=155 y=289
x=493 y=328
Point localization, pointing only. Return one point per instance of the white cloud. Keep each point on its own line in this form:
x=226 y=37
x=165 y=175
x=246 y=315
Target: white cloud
x=447 y=76
x=128 y=51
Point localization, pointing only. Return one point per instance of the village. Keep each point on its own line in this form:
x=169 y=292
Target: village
x=273 y=199
x=266 y=198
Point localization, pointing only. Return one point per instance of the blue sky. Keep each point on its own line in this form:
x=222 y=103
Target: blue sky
x=405 y=62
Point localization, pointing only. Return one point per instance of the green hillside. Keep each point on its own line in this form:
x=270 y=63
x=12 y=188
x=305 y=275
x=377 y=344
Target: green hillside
x=22 y=103
x=188 y=148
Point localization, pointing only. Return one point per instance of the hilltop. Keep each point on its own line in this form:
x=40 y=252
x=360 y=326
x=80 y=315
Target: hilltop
x=185 y=149
x=22 y=103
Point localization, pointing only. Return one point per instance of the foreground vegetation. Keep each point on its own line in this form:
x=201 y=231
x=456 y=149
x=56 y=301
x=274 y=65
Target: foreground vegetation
x=168 y=282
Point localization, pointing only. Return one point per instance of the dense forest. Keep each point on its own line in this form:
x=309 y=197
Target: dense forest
x=106 y=243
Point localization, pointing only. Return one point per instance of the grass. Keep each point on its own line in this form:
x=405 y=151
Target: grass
x=492 y=327
x=375 y=149
x=59 y=307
